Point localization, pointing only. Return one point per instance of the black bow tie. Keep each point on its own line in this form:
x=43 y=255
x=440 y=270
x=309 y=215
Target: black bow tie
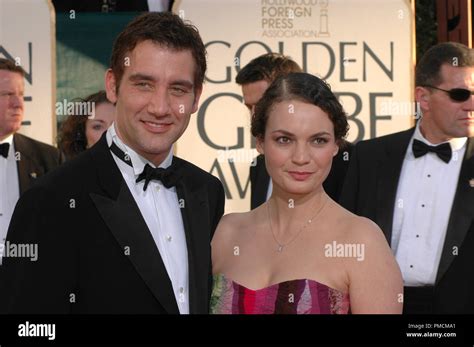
x=443 y=151
x=169 y=177
x=4 y=147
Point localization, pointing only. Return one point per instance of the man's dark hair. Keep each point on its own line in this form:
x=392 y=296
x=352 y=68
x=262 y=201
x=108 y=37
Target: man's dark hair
x=165 y=29
x=267 y=67
x=306 y=88
x=6 y=64
x=429 y=67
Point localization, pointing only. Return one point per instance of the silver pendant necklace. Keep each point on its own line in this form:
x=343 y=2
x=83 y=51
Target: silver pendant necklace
x=309 y=221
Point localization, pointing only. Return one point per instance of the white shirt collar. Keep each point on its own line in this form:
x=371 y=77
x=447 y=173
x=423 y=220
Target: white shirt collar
x=8 y=140
x=138 y=162
x=11 y=149
x=456 y=143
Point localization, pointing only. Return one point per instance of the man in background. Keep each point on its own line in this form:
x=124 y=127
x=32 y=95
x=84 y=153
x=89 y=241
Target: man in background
x=418 y=186
x=22 y=159
x=255 y=78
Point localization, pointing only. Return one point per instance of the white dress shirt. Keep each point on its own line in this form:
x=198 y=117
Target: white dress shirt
x=160 y=209
x=425 y=196
x=9 y=189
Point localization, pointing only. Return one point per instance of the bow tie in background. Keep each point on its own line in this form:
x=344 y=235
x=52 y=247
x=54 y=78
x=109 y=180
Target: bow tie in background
x=4 y=147
x=443 y=151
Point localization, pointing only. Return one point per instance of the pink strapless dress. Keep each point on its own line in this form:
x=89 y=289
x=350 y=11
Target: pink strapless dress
x=300 y=296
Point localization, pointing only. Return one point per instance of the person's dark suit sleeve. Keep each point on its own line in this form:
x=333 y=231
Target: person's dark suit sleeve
x=218 y=212
x=44 y=285
x=54 y=158
x=219 y=207
x=61 y=158
x=350 y=189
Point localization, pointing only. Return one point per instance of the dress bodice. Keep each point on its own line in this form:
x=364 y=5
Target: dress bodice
x=300 y=296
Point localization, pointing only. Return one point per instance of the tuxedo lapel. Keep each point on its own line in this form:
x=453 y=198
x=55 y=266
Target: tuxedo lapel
x=195 y=214
x=462 y=212
x=389 y=168
x=27 y=168
x=124 y=219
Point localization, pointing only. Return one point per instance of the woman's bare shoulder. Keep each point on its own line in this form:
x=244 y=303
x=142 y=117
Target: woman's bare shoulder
x=359 y=229
x=232 y=225
x=232 y=228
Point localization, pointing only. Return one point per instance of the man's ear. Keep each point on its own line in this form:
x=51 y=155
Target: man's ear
x=260 y=145
x=111 y=86
x=197 y=96
x=422 y=96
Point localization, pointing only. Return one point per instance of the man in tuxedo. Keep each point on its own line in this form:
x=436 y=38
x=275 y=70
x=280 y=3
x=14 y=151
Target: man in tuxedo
x=255 y=78
x=125 y=227
x=418 y=186
x=22 y=159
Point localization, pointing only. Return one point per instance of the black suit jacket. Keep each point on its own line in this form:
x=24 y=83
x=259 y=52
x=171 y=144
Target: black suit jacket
x=370 y=190
x=34 y=160
x=95 y=251
x=259 y=178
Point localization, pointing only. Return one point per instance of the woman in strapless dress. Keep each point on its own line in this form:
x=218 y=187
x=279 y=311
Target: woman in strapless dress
x=301 y=252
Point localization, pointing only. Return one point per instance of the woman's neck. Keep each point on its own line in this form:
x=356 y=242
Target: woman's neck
x=290 y=212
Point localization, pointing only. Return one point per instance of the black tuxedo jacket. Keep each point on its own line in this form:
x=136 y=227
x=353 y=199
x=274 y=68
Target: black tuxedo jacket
x=95 y=251
x=370 y=190
x=259 y=178
x=34 y=160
